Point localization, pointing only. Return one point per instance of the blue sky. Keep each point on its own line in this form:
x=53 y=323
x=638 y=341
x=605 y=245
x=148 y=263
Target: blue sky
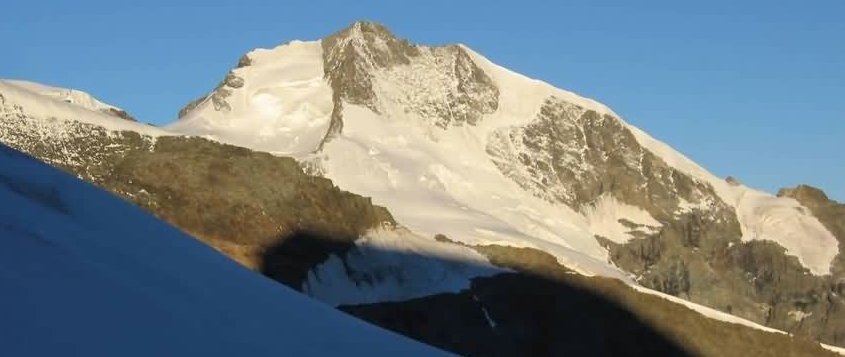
x=751 y=89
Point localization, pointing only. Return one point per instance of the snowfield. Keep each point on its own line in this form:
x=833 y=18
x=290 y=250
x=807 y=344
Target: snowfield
x=72 y=96
x=283 y=107
x=85 y=273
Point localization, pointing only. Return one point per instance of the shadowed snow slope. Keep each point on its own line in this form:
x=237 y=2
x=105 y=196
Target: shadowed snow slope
x=84 y=273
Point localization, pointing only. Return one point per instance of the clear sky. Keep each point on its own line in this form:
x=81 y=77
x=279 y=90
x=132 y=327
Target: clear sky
x=752 y=89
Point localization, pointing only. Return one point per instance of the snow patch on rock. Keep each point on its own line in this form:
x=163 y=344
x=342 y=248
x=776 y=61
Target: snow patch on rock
x=617 y=221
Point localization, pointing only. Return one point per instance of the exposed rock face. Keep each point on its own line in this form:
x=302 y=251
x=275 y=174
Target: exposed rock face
x=700 y=260
x=190 y=106
x=350 y=55
x=220 y=93
x=573 y=155
x=197 y=175
x=439 y=84
x=577 y=157
x=120 y=113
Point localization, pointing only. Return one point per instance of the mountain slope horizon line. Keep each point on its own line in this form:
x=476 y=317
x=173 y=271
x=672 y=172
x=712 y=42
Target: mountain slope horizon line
x=243 y=60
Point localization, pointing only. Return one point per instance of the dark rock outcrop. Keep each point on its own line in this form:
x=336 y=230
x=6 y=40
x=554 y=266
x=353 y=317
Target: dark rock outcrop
x=120 y=113
x=357 y=58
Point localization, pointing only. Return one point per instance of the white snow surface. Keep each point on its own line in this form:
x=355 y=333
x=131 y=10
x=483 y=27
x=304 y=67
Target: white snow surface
x=604 y=214
x=67 y=95
x=45 y=103
x=85 y=273
x=284 y=106
x=836 y=349
x=395 y=265
x=442 y=181
x=449 y=186
x=788 y=223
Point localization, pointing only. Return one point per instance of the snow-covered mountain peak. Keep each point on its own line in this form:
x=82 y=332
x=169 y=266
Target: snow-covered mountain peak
x=289 y=99
x=445 y=128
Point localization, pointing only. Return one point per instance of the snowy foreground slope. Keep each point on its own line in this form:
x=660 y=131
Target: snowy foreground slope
x=84 y=273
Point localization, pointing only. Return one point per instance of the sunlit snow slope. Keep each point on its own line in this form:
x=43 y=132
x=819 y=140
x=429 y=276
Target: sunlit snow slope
x=67 y=95
x=439 y=178
x=55 y=107
x=279 y=103
x=85 y=273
